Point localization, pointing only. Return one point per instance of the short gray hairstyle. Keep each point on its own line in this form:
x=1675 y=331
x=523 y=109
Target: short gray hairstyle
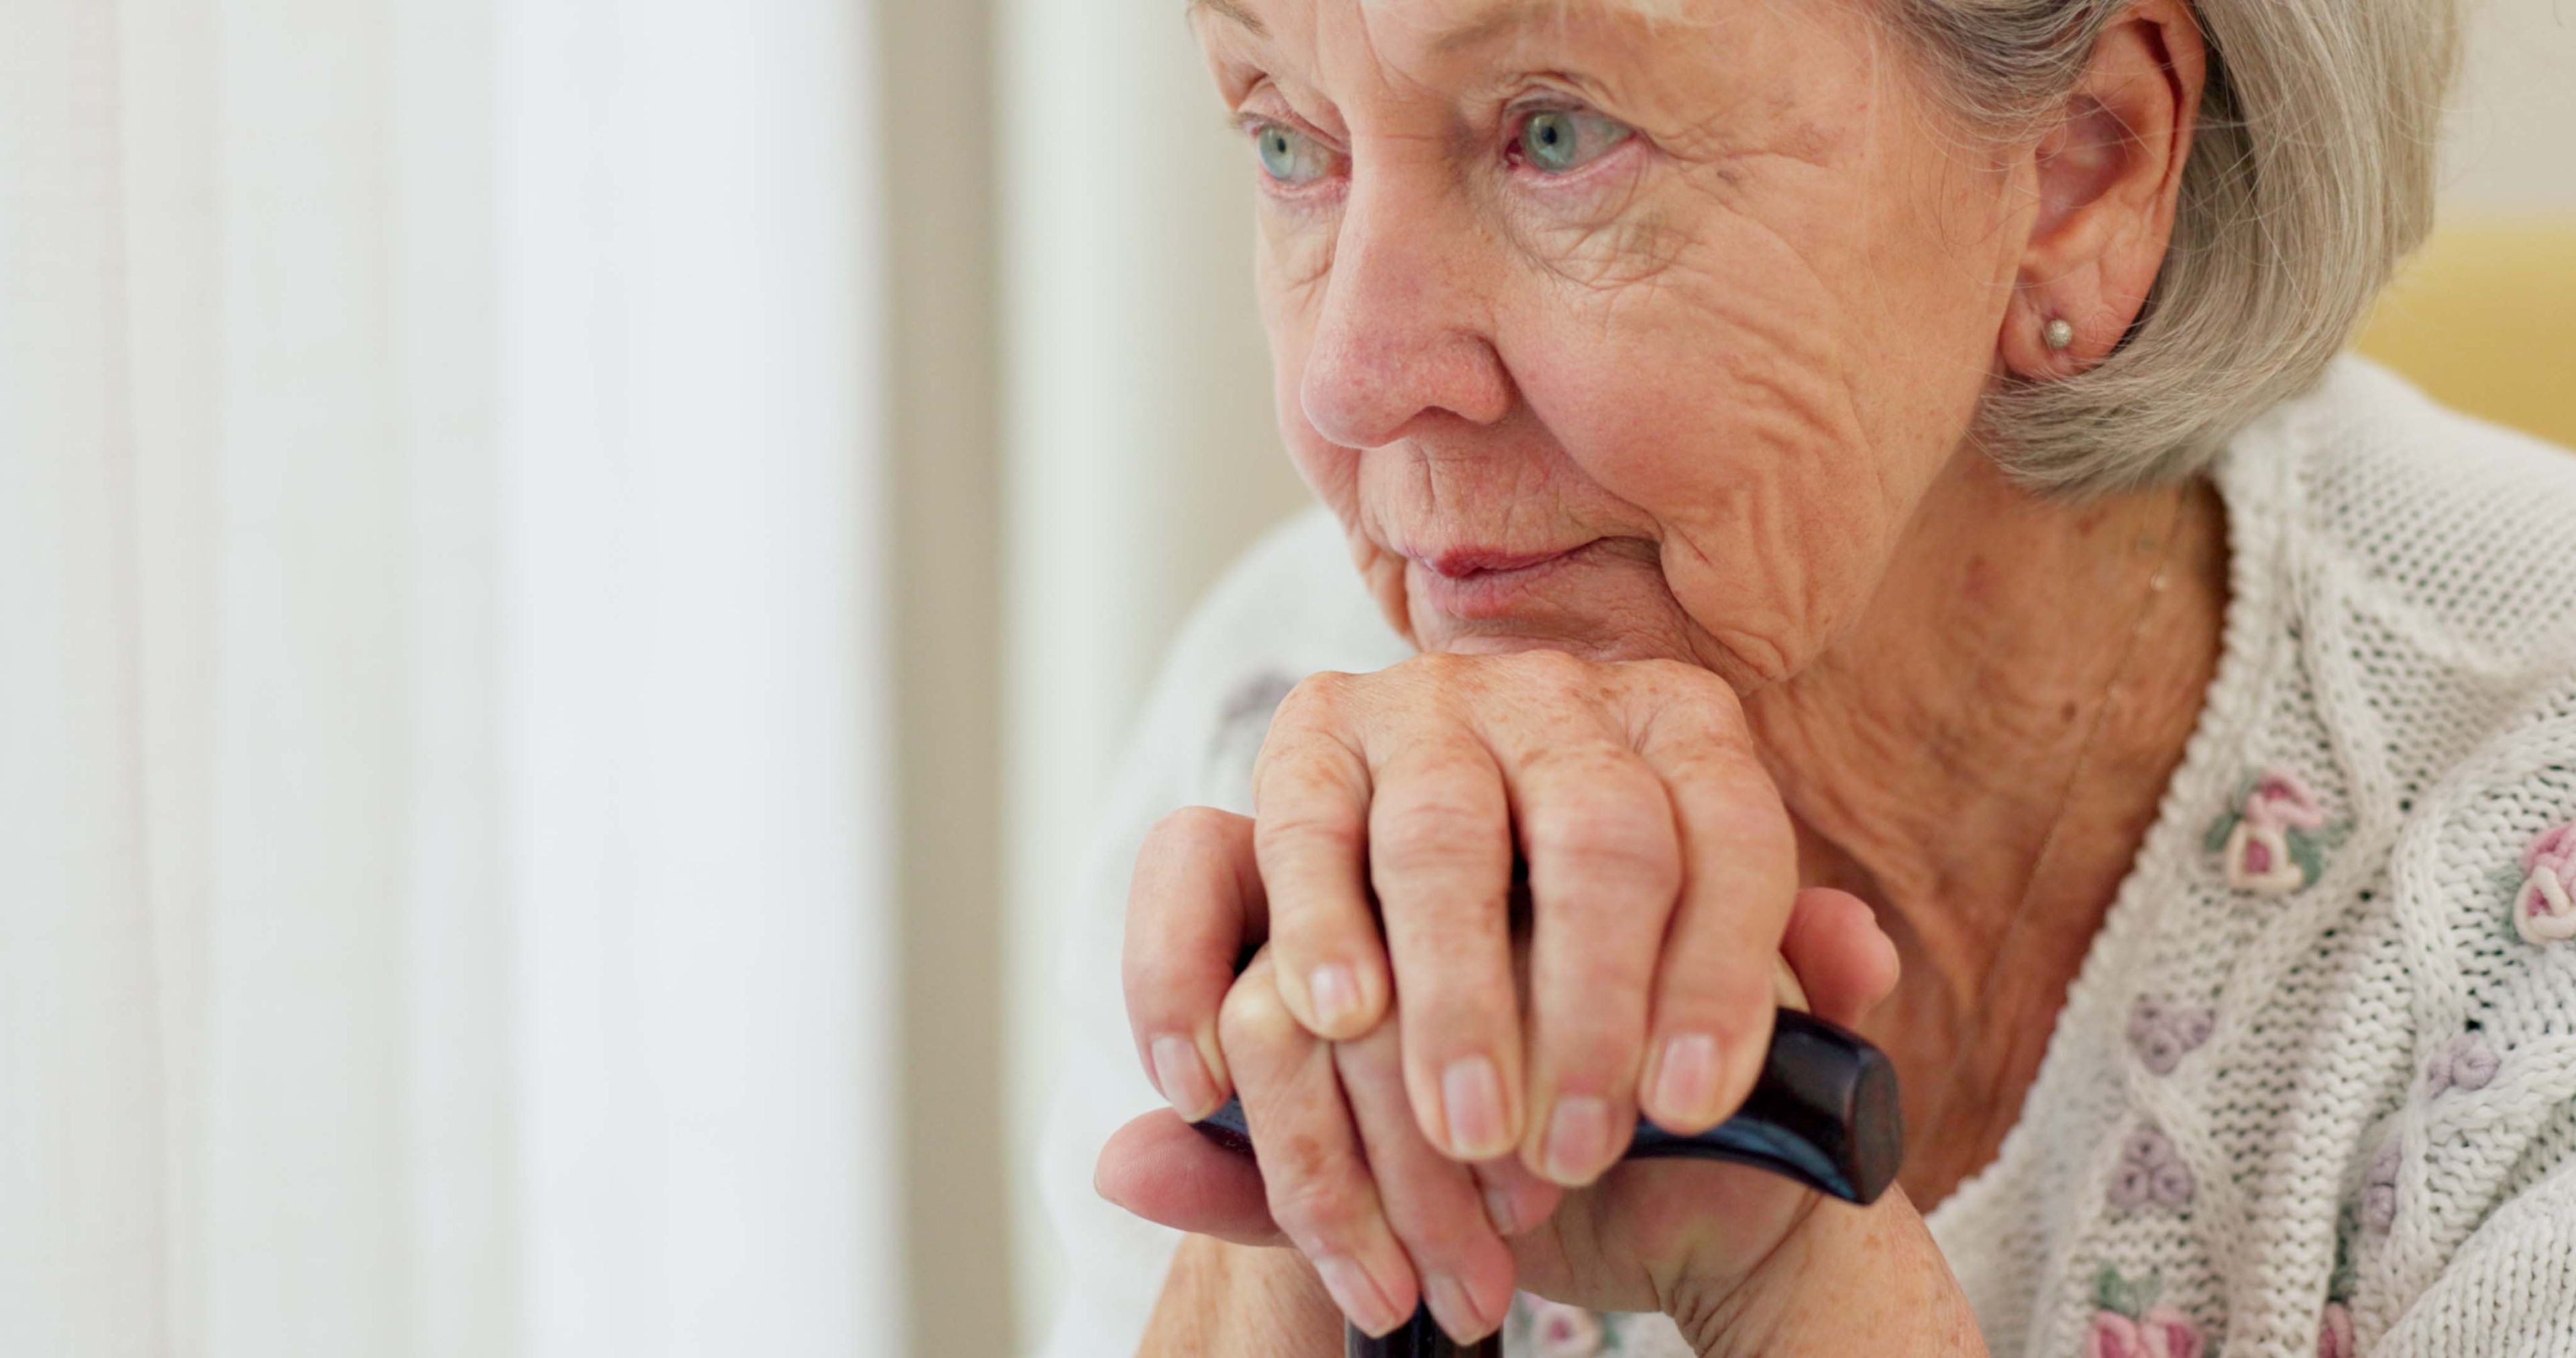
x=2311 y=178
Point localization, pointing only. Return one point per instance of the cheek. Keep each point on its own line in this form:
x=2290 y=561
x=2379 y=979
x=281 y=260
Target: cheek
x=1755 y=411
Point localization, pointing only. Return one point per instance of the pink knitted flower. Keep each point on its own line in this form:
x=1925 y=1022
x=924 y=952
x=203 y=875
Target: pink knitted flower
x=1561 y=1331
x=2467 y=1063
x=2115 y=1336
x=2543 y=912
x=2162 y=1332
x=2169 y=1333
x=2162 y=1035
x=2334 y=1333
x=2379 y=1188
x=2149 y=1171
x=2274 y=841
x=2280 y=801
x=2555 y=848
x=2259 y=859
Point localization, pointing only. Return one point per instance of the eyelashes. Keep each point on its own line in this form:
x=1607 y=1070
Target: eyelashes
x=1549 y=144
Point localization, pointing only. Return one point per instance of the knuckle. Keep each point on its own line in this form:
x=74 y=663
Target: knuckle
x=1589 y=840
x=1317 y=1208
x=1734 y=817
x=1712 y=763
x=1190 y=828
x=1304 y=827
x=1323 y=698
x=1556 y=669
x=1683 y=679
x=1438 y=667
x=1253 y=1019
x=1584 y=762
x=1432 y=832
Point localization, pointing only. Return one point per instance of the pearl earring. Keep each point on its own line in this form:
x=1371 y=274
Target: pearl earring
x=2059 y=335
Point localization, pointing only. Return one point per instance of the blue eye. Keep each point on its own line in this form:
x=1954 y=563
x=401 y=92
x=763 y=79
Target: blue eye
x=1289 y=156
x=1559 y=140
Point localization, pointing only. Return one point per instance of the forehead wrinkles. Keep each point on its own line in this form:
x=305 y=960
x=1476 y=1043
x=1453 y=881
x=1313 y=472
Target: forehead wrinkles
x=1657 y=61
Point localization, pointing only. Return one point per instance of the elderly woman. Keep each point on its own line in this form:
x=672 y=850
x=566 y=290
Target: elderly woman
x=1869 y=483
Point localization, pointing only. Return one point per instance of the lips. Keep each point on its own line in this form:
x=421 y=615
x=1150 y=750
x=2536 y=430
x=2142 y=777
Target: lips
x=1485 y=583
x=1460 y=563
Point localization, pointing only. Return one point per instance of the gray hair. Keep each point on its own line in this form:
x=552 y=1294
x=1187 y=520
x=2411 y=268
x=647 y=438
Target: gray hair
x=2311 y=177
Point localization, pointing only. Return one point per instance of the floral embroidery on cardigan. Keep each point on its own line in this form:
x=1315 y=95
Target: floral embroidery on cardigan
x=2127 y=1322
x=2467 y=1063
x=2334 y=1324
x=2275 y=841
x=2150 y=1172
x=1550 y=1329
x=2542 y=911
x=2379 y=1189
x=2334 y=1331
x=2162 y=1034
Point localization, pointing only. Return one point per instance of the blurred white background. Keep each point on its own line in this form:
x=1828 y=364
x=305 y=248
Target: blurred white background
x=573 y=573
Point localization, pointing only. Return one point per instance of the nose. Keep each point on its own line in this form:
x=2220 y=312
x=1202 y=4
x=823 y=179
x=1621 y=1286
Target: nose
x=1405 y=330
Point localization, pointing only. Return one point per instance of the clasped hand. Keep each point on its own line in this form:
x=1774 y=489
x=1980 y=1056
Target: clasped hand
x=1438 y=1114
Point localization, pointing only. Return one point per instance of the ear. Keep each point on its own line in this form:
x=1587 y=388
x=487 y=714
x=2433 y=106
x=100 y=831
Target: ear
x=2106 y=178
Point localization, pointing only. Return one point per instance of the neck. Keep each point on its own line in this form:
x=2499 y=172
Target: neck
x=1980 y=757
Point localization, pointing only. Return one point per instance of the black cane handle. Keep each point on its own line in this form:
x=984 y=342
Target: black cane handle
x=1823 y=1113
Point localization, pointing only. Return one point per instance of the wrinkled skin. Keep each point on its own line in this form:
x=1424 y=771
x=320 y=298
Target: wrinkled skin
x=1640 y=361
x=1734 y=352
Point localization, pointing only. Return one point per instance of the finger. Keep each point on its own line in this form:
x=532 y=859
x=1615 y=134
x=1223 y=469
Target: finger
x=1431 y=1201
x=1440 y=858
x=1843 y=961
x=1713 y=990
x=1314 y=1176
x=1310 y=795
x=1597 y=827
x=1165 y=1170
x=1193 y=906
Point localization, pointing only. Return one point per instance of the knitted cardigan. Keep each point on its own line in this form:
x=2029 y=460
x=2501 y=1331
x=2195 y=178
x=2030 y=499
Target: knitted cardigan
x=2313 y=1091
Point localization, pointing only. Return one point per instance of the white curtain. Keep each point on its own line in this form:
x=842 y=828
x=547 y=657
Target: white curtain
x=442 y=707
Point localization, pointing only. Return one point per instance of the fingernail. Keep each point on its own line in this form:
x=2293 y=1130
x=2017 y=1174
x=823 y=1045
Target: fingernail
x=1686 y=1085
x=1335 y=993
x=1498 y=1210
x=1455 y=1309
x=1184 y=1077
x=1472 y=1094
x=1357 y=1294
x=1578 y=1140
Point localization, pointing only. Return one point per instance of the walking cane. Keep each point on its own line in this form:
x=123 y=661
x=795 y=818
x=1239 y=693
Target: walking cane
x=1824 y=1114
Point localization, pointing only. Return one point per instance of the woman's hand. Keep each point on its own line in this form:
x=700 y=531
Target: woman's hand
x=1661 y=868
x=1662 y=877
x=1342 y=1175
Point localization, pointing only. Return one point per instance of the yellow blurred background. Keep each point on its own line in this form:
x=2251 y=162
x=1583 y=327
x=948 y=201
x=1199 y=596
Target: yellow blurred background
x=2485 y=320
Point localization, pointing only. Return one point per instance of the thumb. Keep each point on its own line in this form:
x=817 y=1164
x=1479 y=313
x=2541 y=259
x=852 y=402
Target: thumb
x=1846 y=964
x=1165 y=1170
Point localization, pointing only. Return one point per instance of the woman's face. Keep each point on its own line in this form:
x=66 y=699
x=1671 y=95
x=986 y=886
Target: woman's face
x=1689 y=312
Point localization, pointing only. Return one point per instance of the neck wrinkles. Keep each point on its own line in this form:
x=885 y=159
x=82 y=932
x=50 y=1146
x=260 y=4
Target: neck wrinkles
x=1928 y=758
